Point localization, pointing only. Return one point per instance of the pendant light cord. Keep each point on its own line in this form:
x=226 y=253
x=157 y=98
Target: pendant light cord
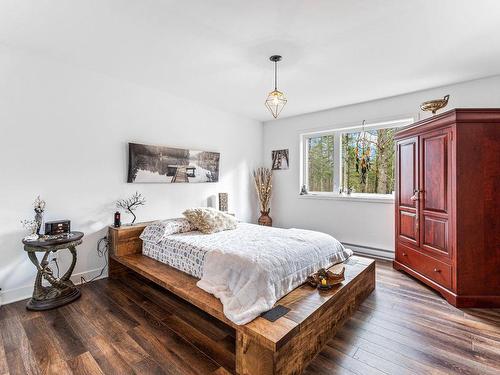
x=275 y=76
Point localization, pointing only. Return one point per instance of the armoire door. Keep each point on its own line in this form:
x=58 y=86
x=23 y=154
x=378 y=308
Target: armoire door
x=407 y=210
x=435 y=195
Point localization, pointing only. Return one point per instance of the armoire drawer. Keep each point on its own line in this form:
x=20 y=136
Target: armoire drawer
x=433 y=269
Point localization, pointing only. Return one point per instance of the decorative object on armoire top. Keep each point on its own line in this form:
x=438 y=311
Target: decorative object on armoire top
x=434 y=105
x=32 y=227
x=276 y=100
x=39 y=207
x=280 y=160
x=223 y=202
x=446 y=205
x=263 y=185
x=131 y=204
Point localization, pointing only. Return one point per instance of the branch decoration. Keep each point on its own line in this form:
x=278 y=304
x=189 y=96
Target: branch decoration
x=130 y=204
x=263 y=184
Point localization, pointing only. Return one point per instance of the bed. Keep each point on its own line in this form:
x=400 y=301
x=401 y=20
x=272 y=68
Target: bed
x=248 y=268
x=203 y=264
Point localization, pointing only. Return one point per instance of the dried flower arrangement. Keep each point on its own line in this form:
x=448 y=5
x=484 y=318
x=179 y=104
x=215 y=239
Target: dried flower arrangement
x=131 y=204
x=263 y=185
x=32 y=227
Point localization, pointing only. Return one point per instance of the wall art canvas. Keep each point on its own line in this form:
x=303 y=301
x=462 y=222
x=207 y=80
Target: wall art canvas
x=280 y=159
x=161 y=164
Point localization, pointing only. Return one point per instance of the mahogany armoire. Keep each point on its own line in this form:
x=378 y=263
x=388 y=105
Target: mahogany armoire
x=448 y=205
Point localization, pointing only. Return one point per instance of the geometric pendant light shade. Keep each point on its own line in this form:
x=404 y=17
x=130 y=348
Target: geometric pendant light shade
x=276 y=100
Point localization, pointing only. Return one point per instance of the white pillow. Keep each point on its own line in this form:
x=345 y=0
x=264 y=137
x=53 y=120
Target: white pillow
x=156 y=232
x=209 y=220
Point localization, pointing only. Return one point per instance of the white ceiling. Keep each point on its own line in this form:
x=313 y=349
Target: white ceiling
x=336 y=52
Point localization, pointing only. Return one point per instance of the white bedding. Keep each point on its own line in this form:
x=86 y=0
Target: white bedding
x=251 y=267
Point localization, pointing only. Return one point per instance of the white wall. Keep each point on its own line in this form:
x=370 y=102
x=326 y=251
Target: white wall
x=359 y=223
x=64 y=134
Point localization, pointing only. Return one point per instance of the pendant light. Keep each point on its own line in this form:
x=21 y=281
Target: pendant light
x=276 y=100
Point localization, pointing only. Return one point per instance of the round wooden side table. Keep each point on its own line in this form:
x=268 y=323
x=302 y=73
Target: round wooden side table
x=61 y=290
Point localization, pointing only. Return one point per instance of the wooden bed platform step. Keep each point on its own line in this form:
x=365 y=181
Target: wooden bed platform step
x=285 y=346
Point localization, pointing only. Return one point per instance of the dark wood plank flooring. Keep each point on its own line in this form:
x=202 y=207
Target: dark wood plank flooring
x=132 y=327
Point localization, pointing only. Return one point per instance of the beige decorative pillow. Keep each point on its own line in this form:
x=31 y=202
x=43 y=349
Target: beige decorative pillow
x=209 y=220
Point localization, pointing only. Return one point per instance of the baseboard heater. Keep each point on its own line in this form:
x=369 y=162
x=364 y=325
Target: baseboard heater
x=373 y=252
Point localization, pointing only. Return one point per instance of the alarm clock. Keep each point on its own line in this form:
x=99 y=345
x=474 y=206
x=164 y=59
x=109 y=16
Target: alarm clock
x=57 y=227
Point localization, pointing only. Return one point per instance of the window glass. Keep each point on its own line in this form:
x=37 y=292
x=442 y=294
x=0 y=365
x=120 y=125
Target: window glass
x=368 y=161
x=320 y=163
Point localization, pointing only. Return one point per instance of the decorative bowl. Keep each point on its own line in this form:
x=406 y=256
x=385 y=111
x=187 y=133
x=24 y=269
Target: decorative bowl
x=331 y=278
x=434 y=105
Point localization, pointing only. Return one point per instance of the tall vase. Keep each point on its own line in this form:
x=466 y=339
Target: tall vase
x=265 y=219
x=39 y=221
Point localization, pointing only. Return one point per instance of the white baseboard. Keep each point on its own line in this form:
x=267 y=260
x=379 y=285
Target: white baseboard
x=18 y=294
x=372 y=252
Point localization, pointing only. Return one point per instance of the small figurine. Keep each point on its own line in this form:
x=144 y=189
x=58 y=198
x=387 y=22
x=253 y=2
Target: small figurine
x=303 y=190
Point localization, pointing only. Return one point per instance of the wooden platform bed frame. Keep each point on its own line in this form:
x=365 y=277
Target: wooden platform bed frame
x=285 y=346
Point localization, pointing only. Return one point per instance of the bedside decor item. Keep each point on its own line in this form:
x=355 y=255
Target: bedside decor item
x=223 y=202
x=263 y=185
x=57 y=227
x=280 y=160
x=131 y=204
x=117 y=219
x=276 y=100
x=39 y=206
x=326 y=279
x=32 y=227
x=434 y=105
x=162 y=164
x=61 y=290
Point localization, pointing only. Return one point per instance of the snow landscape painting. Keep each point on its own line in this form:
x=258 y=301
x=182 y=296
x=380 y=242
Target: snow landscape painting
x=161 y=164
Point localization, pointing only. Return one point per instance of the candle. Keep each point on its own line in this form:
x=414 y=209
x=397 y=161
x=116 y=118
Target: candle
x=323 y=282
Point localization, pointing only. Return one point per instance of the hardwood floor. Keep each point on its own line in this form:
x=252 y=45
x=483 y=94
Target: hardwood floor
x=130 y=327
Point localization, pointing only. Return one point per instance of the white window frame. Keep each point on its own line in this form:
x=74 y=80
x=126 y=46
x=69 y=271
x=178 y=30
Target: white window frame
x=337 y=160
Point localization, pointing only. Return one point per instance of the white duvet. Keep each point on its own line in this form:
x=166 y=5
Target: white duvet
x=252 y=267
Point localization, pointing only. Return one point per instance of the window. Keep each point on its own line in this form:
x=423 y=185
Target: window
x=357 y=161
